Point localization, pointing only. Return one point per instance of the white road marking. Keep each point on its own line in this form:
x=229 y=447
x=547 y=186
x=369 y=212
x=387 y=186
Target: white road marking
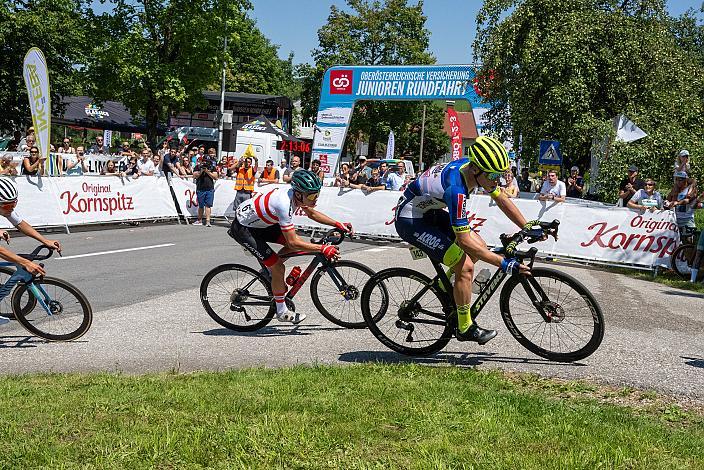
x=98 y=253
x=376 y=250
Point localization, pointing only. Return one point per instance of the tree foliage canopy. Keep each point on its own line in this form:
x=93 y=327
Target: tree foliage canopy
x=564 y=68
x=56 y=27
x=391 y=32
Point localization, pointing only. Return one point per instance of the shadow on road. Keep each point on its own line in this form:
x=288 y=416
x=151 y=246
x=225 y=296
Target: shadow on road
x=694 y=361
x=459 y=359
x=684 y=293
x=267 y=331
x=19 y=342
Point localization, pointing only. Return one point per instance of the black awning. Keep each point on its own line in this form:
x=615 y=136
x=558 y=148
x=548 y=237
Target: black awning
x=82 y=111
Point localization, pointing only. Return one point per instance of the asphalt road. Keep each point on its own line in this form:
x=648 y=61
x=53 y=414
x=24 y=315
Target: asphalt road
x=148 y=318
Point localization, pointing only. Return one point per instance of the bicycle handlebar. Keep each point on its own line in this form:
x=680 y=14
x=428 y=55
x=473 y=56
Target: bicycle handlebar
x=332 y=237
x=530 y=235
x=35 y=256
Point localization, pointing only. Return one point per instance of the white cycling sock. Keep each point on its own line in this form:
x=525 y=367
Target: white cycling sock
x=695 y=273
x=280 y=300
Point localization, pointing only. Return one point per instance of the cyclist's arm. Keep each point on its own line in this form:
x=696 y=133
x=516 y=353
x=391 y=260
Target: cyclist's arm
x=28 y=230
x=33 y=268
x=503 y=201
x=294 y=242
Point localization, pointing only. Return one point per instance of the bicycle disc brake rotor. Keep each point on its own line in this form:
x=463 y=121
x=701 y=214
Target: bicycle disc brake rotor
x=350 y=293
x=554 y=311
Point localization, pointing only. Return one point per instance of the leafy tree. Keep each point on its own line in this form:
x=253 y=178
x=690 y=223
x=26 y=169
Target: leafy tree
x=564 y=68
x=156 y=56
x=391 y=32
x=56 y=27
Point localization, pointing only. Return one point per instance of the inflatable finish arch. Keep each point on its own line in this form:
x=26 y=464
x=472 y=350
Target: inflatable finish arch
x=343 y=86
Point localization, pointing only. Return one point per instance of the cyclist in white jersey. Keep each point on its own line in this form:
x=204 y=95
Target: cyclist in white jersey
x=268 y=218
x=8 y=202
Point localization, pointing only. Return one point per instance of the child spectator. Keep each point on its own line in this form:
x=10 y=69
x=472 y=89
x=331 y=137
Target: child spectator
x=646 y=198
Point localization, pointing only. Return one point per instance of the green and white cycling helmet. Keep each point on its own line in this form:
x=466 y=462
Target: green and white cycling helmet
x=305 y=181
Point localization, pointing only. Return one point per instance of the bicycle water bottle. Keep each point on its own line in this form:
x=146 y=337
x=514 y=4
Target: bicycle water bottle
x=482 y=277
x=293 y=275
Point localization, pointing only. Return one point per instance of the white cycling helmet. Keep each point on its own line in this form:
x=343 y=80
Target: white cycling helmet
x=8 y=190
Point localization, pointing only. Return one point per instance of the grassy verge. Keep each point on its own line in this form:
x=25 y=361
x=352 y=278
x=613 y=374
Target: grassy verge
x=664 y=277
x=370 y=416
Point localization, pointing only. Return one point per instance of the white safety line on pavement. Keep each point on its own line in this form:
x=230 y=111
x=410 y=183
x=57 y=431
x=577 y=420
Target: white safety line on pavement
x=98 y=253
x=376 y=250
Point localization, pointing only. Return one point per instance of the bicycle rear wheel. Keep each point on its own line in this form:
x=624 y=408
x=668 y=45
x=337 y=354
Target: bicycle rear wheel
x=413 y=328
x=6 y=302
x=341 y=305
x=237 y=297
x=71 y=313
x=575 y=326
x=682 y=260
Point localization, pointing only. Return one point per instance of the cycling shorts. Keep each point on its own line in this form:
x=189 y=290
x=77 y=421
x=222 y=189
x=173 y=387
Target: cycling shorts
x=433 y=234
x=256 y=241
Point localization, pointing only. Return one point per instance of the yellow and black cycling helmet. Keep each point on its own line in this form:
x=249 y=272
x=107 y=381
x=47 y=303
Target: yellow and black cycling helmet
x=489 y=155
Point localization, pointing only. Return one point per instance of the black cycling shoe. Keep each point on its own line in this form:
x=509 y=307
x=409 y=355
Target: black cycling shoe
x=475 y=333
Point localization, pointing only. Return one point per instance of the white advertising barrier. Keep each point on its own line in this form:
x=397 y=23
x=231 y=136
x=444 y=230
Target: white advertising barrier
x=590 y=232
x=90 y=199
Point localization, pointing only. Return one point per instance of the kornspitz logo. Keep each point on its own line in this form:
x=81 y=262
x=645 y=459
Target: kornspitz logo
x=340 y=82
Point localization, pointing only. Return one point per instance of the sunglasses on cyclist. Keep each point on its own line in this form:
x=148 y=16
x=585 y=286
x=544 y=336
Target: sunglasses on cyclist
x=8 y=205
x=494 y=176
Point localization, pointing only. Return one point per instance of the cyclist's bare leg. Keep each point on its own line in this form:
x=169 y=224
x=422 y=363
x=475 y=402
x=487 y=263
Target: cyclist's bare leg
x=278 y=286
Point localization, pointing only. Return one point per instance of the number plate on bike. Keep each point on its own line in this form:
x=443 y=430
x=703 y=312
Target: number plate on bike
x=417 y=253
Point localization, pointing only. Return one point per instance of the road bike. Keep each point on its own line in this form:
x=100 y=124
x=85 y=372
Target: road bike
x=240 y=298
x=548 y=312
x=683 y=257
x=47 y=307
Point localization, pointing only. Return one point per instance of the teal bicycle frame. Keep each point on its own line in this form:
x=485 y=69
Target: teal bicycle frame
x=21 y=275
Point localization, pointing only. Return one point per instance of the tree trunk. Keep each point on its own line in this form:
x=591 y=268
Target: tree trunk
x=152 y=119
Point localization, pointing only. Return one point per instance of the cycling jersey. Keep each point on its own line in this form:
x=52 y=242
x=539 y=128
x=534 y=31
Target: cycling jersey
x=436 y=188
x=264 y=210
x=14 y=218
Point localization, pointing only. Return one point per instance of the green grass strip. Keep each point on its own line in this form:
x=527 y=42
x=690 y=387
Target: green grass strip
x=366 y=416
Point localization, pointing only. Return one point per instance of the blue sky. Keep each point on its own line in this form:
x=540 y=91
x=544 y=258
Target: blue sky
x=294 y=24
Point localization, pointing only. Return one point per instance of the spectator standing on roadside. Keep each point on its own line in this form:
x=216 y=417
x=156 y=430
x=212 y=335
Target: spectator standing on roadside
x=682 y=162
x=682 y=199
x=145 y=164
x=158 y=165
x=170 y=164
x=647 y=198
x=575 y=183
x=629 y=185
x=125 y=150
x=553 y=189
x=186 y=168
x=33 y=164
x=525 y=184
x=295 y=166
x=110 y=169
x=24 y=144
x=342 y=180
x=99 y=147
x=6 y=166
x=510 y=185
x=315 y=168
x=374 y=182
x=360 y=173
x=14 y=144
x=131 y=168
x=395 y=180
x=66 y=146
x=78 y=167
x=164 y=149
x=383 y=172
x=205 y=176
x=269 y=174
x=244 y=182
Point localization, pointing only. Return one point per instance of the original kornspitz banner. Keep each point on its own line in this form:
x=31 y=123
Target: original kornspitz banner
x=36 y=78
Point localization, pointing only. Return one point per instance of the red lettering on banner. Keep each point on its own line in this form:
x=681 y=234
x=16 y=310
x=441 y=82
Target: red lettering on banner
x=192 y=198
x=110 y=204
x=612 y=239
x=476 y=222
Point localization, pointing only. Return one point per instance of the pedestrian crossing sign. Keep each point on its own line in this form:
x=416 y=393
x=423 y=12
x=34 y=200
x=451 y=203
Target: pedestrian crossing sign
x=550 y=153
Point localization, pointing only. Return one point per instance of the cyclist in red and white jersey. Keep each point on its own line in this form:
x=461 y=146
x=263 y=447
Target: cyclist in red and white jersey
x=268 y=218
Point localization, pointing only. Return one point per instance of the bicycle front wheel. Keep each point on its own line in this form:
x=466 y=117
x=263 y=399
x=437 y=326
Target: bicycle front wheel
x=338 y=296
x=70 y=314
x=407 y=312
x=682 y=260
x=237 y=297
x=573 y=326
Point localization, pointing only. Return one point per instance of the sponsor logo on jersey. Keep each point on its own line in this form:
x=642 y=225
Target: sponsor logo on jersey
x=431 y=241
x=461 y=207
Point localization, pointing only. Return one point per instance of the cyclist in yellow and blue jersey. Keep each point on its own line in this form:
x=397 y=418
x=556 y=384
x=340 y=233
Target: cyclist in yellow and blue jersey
x=445 y=235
